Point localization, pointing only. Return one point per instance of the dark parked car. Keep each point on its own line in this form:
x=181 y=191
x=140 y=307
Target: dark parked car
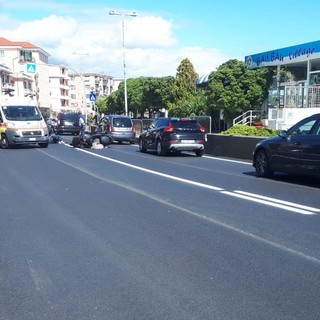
x=296 y=150
x=173 y=134
x=68 y=122
x=119 y=127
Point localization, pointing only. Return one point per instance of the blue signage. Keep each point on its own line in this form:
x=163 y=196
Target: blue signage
x=31 y=68
x=302 y=52
x=93 y=96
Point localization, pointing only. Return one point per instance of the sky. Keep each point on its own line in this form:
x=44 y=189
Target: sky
x=84 y=37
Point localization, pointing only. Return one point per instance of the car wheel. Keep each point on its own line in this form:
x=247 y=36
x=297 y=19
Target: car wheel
x=142 y=146
x=200 y=153
x=262 y=165
x=4 y=142
x=160 y=150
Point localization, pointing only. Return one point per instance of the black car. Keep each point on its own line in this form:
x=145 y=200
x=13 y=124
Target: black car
x=296 y=150
x=68 y=122
x=173 y=134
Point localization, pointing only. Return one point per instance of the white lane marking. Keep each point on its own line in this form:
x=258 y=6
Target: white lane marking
x=273 y=202
x=278 y=201
x=199 y=184
x=228 y=160
x=290 y=207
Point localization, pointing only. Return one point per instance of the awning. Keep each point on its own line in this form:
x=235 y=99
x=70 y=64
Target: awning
x=203 y=80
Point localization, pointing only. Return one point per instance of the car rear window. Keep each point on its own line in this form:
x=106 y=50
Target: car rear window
x=69 y=116
x=122 y=122
x=185 y=124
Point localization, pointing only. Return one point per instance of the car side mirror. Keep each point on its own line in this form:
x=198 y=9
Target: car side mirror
x=283 y=133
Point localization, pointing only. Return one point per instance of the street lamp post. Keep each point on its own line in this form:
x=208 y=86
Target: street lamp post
x=123 y=14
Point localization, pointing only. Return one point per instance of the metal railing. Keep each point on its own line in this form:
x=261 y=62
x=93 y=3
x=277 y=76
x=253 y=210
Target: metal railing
x=247 y=117
x=301 y=96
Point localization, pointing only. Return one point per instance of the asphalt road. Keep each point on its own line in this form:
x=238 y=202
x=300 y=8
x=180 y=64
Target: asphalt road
x=117 y=234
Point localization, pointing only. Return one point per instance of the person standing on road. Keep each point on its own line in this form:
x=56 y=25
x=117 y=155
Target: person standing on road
x=96 y=118
x=82 y=123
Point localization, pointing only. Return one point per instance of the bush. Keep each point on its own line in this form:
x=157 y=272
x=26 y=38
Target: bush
x=244 y=130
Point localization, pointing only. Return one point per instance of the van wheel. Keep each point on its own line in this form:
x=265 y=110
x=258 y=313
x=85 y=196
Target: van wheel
x=44 y=145
x=4 y=142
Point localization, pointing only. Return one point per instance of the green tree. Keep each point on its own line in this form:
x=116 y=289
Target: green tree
x=149 y=94
x=194 y=106
x=115 y=103
x=186 y=80
x=101 y=104
x=184 y=90
x=235 y=89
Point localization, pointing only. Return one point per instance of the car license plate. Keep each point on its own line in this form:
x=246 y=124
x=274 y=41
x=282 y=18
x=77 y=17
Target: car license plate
x=187 y=141
x=32 y=139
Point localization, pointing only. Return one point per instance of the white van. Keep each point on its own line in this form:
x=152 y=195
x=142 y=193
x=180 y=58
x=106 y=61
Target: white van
x=21 y=123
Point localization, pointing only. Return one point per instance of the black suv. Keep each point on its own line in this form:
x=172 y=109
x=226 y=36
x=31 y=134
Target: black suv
x=68 y=122
x=173 y=134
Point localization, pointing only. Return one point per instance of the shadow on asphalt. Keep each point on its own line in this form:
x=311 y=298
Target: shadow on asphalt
x=291 y=178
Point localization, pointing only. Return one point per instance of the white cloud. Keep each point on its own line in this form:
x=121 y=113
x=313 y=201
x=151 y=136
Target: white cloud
x=151 y=46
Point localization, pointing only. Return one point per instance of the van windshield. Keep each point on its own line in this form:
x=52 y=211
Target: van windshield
x=21 y=113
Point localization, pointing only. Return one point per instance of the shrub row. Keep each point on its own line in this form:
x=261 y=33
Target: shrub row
x=244 y=130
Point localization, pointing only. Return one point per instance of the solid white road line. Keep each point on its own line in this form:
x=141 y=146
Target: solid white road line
x=273 y=202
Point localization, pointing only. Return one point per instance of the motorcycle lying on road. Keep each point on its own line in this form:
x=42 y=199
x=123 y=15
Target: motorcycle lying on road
x=95 y=140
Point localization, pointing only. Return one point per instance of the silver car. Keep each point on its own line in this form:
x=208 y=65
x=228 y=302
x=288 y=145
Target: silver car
x=121 y=128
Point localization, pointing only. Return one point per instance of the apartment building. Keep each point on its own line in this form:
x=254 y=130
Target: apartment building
x=17 y=61
x=25 y=71
x=81 y=87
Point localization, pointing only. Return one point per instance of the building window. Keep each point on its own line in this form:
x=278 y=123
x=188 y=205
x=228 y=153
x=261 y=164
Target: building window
x=315 y=79
x=26 y=56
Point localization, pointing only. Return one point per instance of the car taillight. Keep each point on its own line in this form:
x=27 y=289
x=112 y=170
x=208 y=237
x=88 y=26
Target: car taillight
x=132 y=129
x=169 y=128
x=111 y=129
x=202 y=129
